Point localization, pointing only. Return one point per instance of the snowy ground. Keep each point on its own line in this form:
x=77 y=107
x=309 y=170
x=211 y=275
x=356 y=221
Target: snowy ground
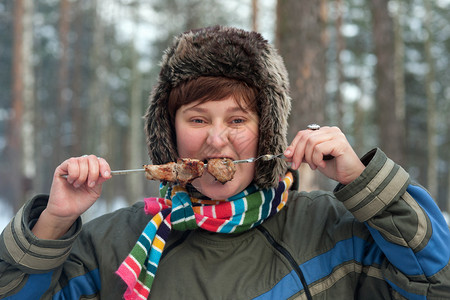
x=6 y=214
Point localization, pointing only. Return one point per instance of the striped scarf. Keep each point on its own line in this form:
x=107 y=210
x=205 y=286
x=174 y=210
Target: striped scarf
x=178 y=211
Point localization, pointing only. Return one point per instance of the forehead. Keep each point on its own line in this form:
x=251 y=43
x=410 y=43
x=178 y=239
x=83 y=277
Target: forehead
x=205 y=89
x=225 y=106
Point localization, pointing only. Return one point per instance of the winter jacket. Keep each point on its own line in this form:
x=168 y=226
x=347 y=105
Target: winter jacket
x=379 y=237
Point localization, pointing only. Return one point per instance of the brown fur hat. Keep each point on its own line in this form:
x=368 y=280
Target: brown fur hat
x=226 y=52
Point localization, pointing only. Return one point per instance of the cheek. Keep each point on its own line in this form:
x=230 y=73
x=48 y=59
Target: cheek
x=188 y=142
x=246 y=142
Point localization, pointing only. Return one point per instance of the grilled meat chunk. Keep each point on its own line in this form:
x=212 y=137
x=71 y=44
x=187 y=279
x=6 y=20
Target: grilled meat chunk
x=183 y=171
x=188 y=169
x=222 y=169
x=164 y=172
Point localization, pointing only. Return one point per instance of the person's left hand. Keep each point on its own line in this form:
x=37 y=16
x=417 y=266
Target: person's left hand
x=310 y=146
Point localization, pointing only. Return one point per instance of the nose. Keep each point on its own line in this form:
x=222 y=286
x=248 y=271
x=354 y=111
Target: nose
x=218 y=136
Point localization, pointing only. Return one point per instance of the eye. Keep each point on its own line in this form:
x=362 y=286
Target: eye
x=238 y=120
x=197 y=121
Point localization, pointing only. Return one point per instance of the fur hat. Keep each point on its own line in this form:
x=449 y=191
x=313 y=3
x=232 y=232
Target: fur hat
x=226 y=52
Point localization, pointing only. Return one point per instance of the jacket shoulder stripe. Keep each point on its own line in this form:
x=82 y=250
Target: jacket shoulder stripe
x=402 y=257
x=436 y=254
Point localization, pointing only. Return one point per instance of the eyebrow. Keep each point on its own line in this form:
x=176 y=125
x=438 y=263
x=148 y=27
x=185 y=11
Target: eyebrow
x=203 y=110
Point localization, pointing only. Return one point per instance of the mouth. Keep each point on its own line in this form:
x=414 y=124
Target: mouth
x=205 y=160
x=223 y=169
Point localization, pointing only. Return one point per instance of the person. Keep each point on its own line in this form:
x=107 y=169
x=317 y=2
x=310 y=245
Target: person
x=223 y=93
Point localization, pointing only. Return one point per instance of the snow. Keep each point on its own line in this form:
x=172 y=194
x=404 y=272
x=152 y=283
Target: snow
x=6 y=215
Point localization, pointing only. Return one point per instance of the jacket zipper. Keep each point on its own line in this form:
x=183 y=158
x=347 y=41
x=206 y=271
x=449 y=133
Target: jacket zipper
x=289 y=257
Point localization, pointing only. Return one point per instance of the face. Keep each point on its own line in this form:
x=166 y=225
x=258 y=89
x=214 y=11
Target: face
x=217 y=129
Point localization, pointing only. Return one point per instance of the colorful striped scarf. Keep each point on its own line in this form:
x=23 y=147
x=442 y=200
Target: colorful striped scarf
x=178 y=211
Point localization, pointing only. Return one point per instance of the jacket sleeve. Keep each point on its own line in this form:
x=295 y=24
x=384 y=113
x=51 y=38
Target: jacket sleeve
x=406 y=224
x=31 y=268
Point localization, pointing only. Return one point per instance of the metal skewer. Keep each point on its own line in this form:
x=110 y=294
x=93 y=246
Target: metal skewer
x=119 y=172
x=123 y=172
x=264 y=157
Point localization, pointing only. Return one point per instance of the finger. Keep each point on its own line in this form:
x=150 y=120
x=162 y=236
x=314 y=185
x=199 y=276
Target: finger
x=296 y=149
x=317 y=148
x=305 y=147
x=72 y=168
x=93 y=170
x=105 y=169
x=322 y=152
x=83 y=166
x=290 y=150
x=327 y=144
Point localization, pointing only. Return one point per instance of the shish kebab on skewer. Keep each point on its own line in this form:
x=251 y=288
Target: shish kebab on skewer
x=185 y=170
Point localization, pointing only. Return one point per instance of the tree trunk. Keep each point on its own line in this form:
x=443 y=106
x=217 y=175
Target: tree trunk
x=134 y=182
x=99 y=107
x=301 y=40
x=447 y=204
x=20 y=145
x=432 y=156
x=14 y=150
x=28 y=126
x=255 y=15
x=399 y=63
x=340 y=46
x=63 y=74
x=389 y=108
x=77 y=82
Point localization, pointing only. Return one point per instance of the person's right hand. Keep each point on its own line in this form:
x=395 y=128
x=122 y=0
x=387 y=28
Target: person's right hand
x=72 y=196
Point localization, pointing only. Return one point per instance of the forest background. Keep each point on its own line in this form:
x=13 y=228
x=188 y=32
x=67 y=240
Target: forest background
x=76 y=74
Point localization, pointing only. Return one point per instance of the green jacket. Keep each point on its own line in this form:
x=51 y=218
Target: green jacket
x=380 y=237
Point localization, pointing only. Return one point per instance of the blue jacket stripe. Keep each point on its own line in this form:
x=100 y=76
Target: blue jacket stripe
x=436 y=254
x=401 y=257
x=35 y=287
x=85 y=285
x=353 y=249
x=288 y=286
